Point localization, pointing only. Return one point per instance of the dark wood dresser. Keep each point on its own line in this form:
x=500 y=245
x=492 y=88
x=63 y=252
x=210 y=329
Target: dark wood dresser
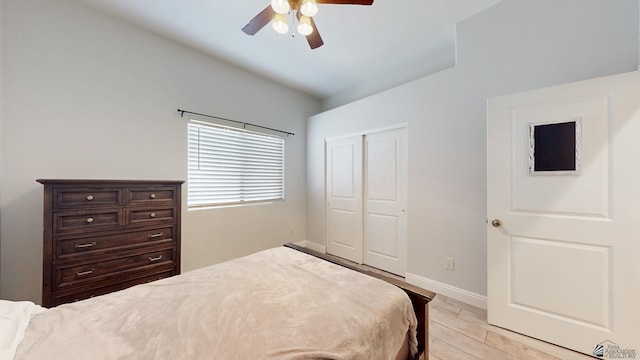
x=102 y=236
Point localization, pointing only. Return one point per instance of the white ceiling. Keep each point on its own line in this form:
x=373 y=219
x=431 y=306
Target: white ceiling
x=360 y=42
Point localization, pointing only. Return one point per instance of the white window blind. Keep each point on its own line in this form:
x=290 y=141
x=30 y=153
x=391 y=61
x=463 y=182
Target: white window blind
x=233 y=166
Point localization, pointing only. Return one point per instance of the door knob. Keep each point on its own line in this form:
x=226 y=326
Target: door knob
x=496 y=223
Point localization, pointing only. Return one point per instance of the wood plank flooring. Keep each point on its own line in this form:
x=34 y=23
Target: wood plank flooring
x=460 y=331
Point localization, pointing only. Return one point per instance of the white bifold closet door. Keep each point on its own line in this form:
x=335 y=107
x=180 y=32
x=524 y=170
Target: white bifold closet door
x=366 y=199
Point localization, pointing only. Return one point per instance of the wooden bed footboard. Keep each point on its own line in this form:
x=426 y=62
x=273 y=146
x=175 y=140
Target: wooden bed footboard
x=419 y=297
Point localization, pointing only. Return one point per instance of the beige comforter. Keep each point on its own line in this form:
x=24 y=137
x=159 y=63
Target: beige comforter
x=275 y=304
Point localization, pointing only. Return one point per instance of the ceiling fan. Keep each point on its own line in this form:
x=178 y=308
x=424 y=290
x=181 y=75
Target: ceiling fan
x=304 y=11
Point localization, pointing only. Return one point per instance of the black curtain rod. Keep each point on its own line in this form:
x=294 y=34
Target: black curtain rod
x=182 y=112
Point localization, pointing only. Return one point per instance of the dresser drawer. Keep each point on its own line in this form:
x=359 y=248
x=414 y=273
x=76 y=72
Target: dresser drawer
x=90 y=272
x=86 y=220
x=152 y=195
x=86 y=246
x=77 y=198
x=151 y=216
x=67 y=297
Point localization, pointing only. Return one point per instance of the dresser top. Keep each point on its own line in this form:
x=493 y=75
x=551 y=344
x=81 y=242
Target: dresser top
x=102 y=182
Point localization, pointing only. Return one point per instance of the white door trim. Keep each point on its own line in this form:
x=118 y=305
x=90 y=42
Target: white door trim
x=367 y=132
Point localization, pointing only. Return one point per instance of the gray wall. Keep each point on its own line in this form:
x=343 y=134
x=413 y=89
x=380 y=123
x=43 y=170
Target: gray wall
x=513 y=46
x=88 y=96
x=2 y=22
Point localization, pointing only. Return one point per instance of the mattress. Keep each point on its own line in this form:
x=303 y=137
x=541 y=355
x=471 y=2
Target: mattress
x=274 y=304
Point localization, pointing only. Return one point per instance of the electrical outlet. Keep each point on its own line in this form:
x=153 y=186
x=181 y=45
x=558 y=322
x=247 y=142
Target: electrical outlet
x=449 y=264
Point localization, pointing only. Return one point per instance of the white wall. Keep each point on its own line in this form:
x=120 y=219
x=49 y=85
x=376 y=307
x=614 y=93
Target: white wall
x=88 y=96
x=1 y=118
x=515 y=45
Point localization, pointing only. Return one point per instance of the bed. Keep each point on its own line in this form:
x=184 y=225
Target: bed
x=281 y=303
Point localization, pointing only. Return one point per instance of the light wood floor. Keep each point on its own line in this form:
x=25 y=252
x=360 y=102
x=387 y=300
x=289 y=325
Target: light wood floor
x=460 y=331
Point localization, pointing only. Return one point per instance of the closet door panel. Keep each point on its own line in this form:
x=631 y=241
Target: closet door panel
x=344 y=197
x=385 y=199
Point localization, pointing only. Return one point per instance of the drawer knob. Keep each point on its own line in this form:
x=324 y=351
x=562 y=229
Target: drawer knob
x=89 y=220
x=157 y=258
x=152 y=215
x=87 y=245
x=89 y=197
x=84 y=273
x=152 y=196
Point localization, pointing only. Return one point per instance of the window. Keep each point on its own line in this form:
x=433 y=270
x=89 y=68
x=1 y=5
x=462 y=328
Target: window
x=229 y=166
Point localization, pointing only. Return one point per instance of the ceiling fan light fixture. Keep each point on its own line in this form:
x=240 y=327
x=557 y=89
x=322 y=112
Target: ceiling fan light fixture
x=280 y=24
x=303 y=10
x=280 y=6
x=309 y=8
x=304 y=25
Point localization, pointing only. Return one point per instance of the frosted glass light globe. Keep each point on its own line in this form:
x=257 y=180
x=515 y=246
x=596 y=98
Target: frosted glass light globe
x=304 y=26
x=280 y=24
x=309 y=8
x=280 y=6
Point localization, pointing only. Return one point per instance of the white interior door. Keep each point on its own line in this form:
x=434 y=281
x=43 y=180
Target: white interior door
x=563 y=252
x=344 y=197
x=385 y=200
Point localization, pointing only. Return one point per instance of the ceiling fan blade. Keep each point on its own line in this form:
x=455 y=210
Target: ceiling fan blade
x=346 y=2
x=314 y=39
x=259 y=21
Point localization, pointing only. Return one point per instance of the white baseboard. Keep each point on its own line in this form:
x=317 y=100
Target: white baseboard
x=453 y=292
x=312 y=245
